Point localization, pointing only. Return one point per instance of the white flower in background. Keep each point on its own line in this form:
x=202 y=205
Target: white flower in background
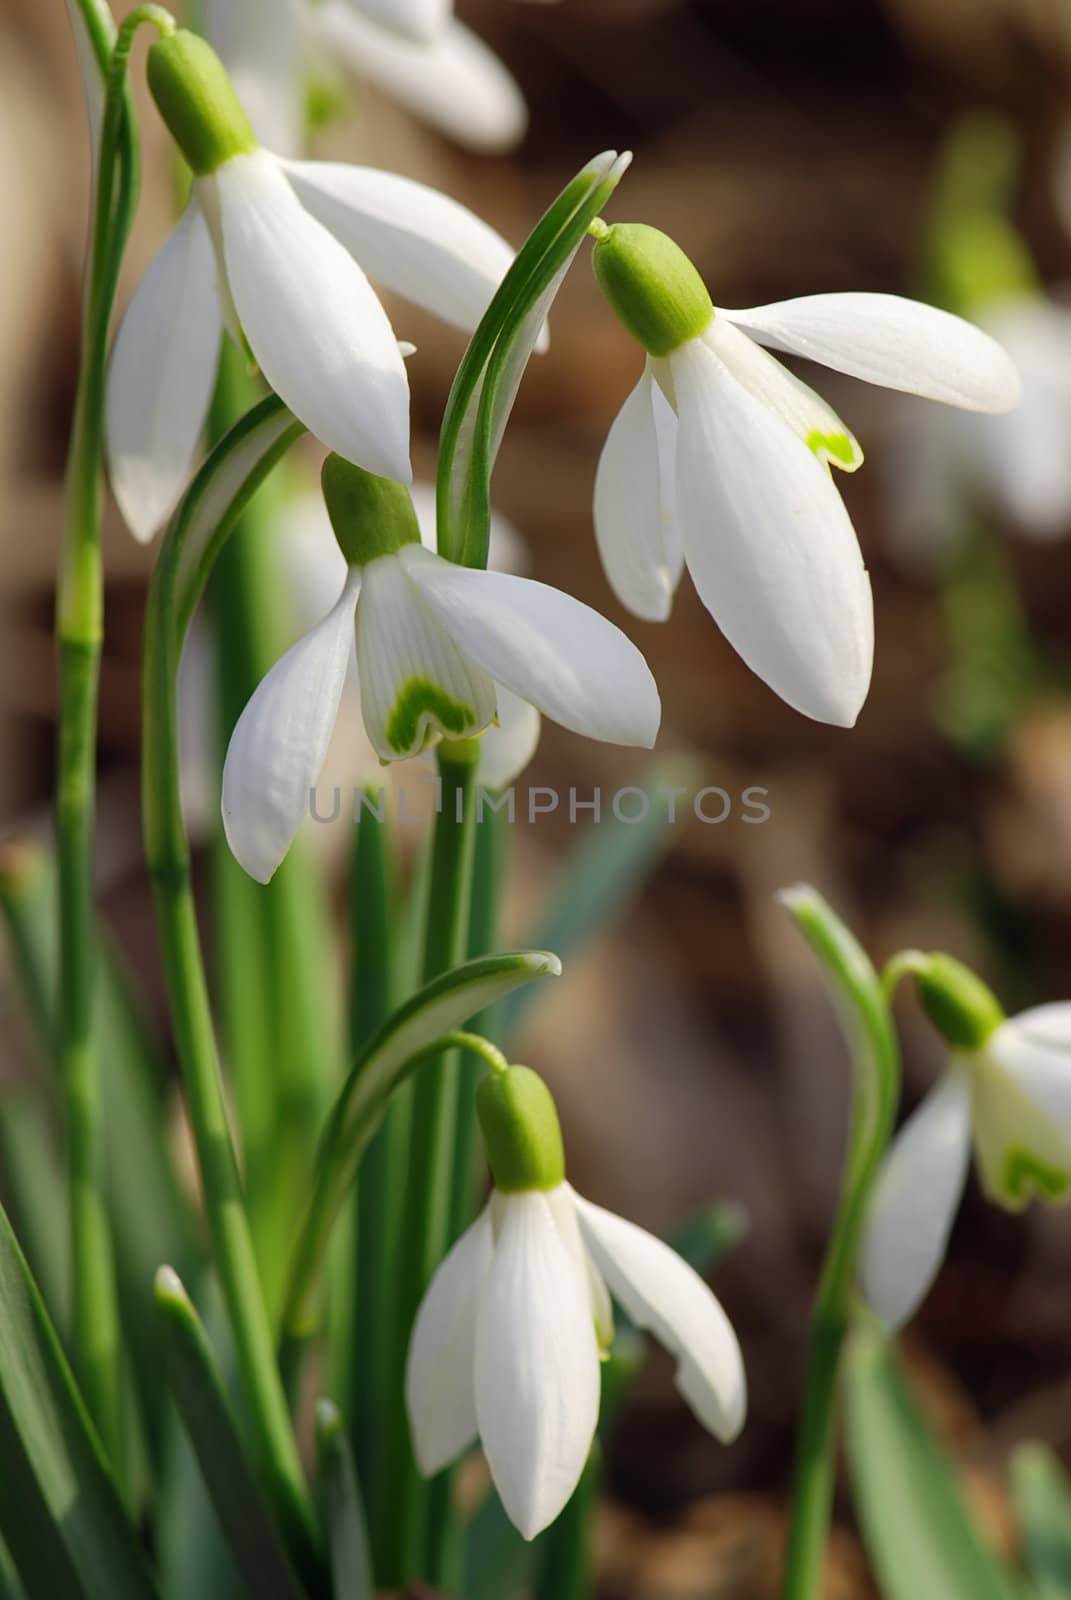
x=1007 y=1092
x=720 y=457
x=507 y=1340
x=942 y=466
x=270 y=247
x=435 y=642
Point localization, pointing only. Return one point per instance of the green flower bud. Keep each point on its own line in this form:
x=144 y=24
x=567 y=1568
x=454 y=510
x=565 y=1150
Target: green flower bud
x=197 y=101
x=960 y=1006
x=651 y=285
x=521 y=1132
x=371 y=516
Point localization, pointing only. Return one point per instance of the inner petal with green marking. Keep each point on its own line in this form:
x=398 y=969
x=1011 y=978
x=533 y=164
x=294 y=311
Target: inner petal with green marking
x=837 y=449
x=423 y=707
x=1027 y=1176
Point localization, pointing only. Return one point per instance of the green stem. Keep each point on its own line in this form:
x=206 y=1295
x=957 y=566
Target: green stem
x=427 y=1221
x=876 y=1091
x=167 y=851
x=79 y=634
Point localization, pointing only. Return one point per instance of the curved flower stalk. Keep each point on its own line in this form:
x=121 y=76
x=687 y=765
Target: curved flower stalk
x=435 y=642
x=1006 y=1091
x=720 y=459
x=507 y=1340
x=276 y=251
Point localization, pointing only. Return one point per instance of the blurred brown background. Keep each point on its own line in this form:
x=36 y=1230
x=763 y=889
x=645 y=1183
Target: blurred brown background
x=790 y=146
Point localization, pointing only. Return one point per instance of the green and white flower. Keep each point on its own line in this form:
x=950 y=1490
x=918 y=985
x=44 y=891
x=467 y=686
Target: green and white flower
x=506 y=1344
x=1006 y=1092
x=277 y=250
x=435 y=645
x=720 y=459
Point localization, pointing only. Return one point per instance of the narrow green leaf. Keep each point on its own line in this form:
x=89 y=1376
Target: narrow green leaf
x=438 y=1008
x=916 y=1528
x=195 y=1381
x=60 y=1515
x=351 y=1563
x=1041 y=1491
x=34 y=1179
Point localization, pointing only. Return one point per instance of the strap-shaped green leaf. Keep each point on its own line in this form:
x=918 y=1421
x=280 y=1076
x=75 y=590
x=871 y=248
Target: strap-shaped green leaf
x=196 y=1384
x=487 y=380
x=347 y=1535
x=60 y=1515
x=409 y=1034
x=918 y=1534
x=1041 y=1492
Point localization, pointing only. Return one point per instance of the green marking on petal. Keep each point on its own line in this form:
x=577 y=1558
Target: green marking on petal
x=839 y=448
x=421 y=701
x=1025 y=1174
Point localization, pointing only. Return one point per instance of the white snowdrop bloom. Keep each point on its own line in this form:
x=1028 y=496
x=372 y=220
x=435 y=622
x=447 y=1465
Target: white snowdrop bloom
x=277 y=251
x=720 y=459
x=506 y=1344
x=1007 y=1092
x=435 y=641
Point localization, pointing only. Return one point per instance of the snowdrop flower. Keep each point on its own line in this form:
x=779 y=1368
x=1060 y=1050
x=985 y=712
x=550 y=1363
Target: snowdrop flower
x=434 y=643
x=720 y=459
x=506 y=1343
x=271 y=248
x=1007 y=1091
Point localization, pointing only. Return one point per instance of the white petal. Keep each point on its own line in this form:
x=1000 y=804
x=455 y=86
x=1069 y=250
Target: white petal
x=454 y=82
x=806 y=413
x=537 y=1366
x=280 y=741
x=1035 y=1047
x=547 y=647
x=413 y=19
x=407 y=237
x=509 y=745
x=440 y=1384
x=259 y=43
x=769 y=544
x=414 y=679
x=915 y=1200
x=562 y=1203
x=161 y=374
x=321 y=337
x=630 y=509
x=663 y=1294
x=886 y=339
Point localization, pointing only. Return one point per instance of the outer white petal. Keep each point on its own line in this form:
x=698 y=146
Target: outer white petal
x=408 y=237
x=806 y=413
x=915 y=1200
x=259 y=42
x=537 y=1366
x=630 y=509
x=547 y=647
x=280 y=741
x=321 y=337
x=769 y=544
x=413 y=19
x=662 y=1293
x=415 y=681
x=1035 y=1047
x=440 y=1386
x=898 y=343
x=509 y=745
x=454 y=81
x=160 y=377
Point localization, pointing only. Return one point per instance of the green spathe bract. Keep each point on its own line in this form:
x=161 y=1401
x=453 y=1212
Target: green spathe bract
x=652 y=286
x=371 y=516
x=960 y=1006
x=521 y=1132
x=197 y=101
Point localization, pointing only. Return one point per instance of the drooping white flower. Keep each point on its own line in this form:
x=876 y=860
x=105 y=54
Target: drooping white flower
x=1006 y=1091
x=720 y=460
x=277 y=251
x=435 y=642
x=505 y=1348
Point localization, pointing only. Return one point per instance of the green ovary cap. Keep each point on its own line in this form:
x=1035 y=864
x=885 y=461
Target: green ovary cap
x=652 y=286
x=521 y=1132
x=196 y=99
x=371 y=516
x=959 y=1005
